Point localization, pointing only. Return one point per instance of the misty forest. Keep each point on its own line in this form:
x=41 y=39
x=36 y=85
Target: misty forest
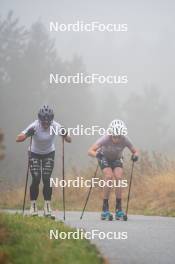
x=27 y=56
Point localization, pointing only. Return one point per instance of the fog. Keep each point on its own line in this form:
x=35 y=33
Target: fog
x=28 y=54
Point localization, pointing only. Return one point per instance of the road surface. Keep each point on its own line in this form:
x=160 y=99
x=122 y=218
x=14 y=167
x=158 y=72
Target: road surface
x=151 y=239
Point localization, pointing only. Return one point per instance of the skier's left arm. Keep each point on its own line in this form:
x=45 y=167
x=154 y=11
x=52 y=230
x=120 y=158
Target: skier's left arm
x=63 y=132
x=134 y=151
x=68 y=139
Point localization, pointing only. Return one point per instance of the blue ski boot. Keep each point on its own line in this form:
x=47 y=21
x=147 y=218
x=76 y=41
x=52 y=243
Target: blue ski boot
x=106 y=215
x=120 y=215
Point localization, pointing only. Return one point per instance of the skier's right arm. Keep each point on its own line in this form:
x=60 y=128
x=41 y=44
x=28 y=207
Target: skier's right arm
x=21 y=137
x=28 y=132
x=93 y=150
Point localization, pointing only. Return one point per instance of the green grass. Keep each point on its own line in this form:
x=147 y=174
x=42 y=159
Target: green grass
x=25 y=240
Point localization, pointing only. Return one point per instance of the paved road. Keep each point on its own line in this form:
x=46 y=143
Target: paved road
x=151 y=240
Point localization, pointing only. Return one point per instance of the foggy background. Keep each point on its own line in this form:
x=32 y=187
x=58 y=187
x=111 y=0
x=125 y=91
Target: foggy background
x=29 y=53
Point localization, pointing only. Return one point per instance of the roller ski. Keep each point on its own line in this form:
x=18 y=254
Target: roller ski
x=48 y=210
x=33 y=209
x=120 y=215
x=106 y=215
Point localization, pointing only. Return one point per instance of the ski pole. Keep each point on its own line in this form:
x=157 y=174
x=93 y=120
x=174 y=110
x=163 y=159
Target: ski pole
x=88 y=194
x=27 y=176
x=64 y=214
x=130 y=183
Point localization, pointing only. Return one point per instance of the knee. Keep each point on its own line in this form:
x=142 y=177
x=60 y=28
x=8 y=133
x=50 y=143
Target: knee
x=46 y=179
x=118 y=172
x=118 y=177
x=36 y=181
x=36 y=176
x=108 y=176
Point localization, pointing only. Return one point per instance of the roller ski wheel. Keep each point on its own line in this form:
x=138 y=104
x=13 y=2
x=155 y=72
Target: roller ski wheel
x=125 y=217
x=34 y=215
x=120 y=215
x=106 y=216
x=110 y=217
x=52 y=217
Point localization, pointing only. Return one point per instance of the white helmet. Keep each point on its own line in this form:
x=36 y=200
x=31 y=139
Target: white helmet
x=117 y=127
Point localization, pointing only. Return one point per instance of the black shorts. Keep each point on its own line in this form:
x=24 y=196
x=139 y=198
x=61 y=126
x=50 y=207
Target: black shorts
x=105 y=163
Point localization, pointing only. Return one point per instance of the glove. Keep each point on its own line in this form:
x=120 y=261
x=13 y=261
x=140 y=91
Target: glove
x=30 y=132
x=99 y=155
x=134 y=158
x=63 y=132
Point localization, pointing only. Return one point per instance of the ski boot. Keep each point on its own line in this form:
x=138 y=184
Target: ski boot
x=106 y=215
x=120 y=215
x=48 y=210
x=33 y=209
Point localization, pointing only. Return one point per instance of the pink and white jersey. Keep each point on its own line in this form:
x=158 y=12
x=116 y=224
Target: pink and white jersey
x=113 y=151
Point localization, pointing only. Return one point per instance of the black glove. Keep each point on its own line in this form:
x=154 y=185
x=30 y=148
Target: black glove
x=134 y=158
x=63 y=132
x=30 y=132
x=99 y=155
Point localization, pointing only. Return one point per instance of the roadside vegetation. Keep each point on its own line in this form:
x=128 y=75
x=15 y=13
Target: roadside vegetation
x=152 y=189
x=26 y=240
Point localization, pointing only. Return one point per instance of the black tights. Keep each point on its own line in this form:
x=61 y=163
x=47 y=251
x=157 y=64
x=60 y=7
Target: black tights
x=41 y=166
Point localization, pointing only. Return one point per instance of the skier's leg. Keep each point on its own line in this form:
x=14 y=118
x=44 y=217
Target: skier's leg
x=36 y=177
x=104 y=164
x=47 y=168
x=34 y=187
x=108 y=175
x=118 y=173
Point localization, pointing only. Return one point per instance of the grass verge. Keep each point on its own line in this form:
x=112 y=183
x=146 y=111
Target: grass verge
x=26 y=240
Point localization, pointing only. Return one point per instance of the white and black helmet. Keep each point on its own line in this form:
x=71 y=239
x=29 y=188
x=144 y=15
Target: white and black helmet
x=45 y=114
x=117 y=127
